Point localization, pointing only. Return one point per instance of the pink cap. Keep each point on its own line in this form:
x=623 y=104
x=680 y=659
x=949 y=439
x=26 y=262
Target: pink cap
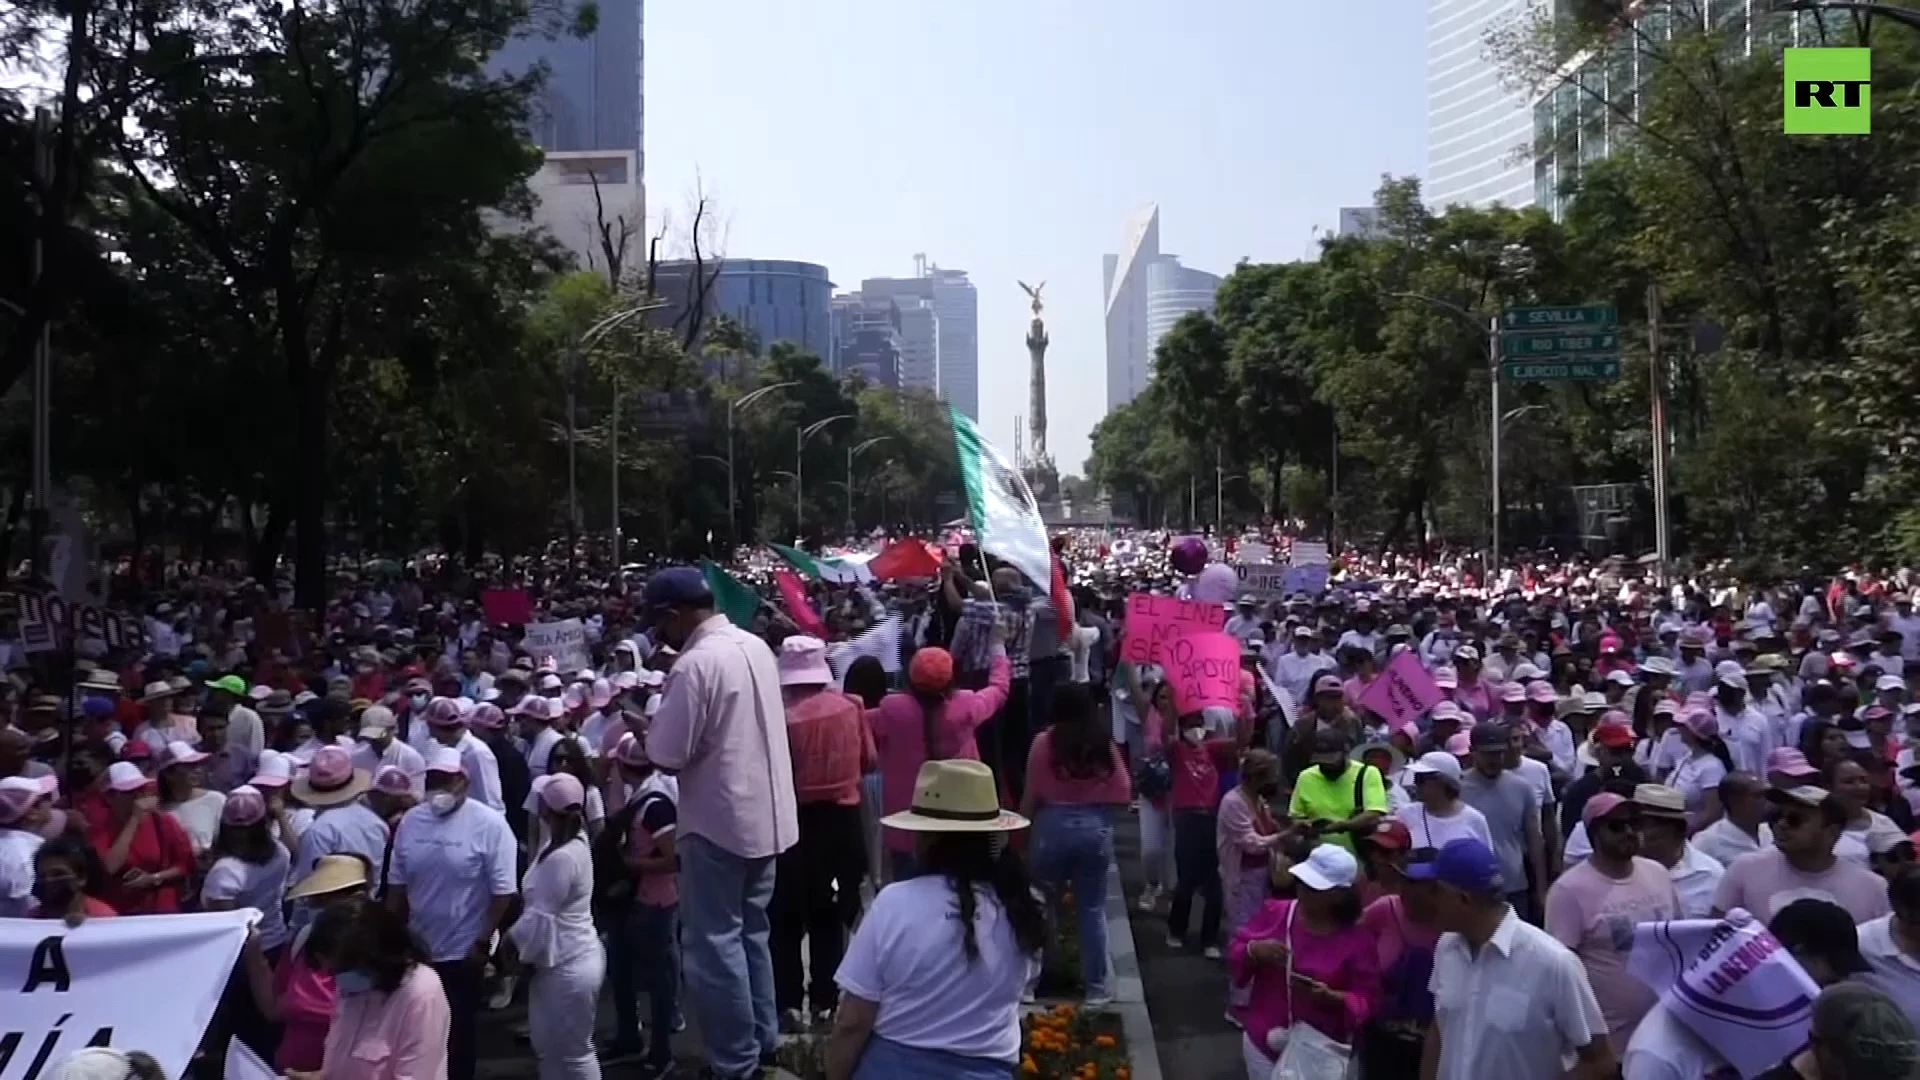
x=1460 y=744
x=180 y=753
x=560 y=791
x=1513 y=691
x=393 y=780
x=1542 y=693
x=1701 y=722
x=600 y=694
x=330 y=769
x=274 y=770
x=19 y=793
x=537 y=707
x=486 y=717
x=1787 y=761
x=1601 y=805
x=631 y=751
x=573 y=697
x=245 y=806
x=125 y=776
x=444 y=713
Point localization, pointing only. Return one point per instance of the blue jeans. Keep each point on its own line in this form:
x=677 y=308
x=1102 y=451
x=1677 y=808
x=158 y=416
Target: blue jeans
x=729 y=964
x=645 y=955
x=884 y=1059
x=1072 y=846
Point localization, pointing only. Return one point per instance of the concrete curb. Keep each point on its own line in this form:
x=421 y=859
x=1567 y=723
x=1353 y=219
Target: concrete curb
x=1129 y=992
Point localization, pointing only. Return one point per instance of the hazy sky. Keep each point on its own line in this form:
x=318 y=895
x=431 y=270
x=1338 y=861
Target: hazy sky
x=1014 y=140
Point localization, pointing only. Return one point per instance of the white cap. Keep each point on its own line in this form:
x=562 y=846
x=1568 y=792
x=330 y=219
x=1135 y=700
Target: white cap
x=1329 y=867
x=1620 y=677
x=1889 y=682
x=126 y=776
x=444 y=759
x=1438 y=763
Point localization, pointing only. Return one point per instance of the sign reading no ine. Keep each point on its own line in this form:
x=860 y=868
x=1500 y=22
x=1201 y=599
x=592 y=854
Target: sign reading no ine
x=1828 y=91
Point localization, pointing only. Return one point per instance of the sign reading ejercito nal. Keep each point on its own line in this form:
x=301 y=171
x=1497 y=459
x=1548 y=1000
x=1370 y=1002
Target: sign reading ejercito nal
x=1828 y=91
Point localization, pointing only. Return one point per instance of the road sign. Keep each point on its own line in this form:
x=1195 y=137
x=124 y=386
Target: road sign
x=1560 y=370
x=1589 y=316
x=1529 y=346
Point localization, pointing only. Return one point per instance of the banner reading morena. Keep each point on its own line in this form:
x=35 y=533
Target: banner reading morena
x=147 y=983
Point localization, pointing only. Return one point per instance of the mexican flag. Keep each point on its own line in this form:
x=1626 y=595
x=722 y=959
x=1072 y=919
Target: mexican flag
x=826 y=567
x=1005 y=518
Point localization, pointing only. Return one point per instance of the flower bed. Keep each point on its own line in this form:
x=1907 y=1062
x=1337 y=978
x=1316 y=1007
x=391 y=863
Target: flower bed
x=1065 y=1043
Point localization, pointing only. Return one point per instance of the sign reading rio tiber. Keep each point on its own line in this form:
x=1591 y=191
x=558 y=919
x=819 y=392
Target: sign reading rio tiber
x=1828 y=91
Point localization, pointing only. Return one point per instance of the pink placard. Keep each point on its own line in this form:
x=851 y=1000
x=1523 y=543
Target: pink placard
x=1203 y=668
x=1402 y=692
x=1153 y=621
x=507 y=607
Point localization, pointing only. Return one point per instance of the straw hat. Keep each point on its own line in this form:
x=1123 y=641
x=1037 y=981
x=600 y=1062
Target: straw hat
x=330 y=874
x=159 y=689
x=330 y=779
x=955 y=796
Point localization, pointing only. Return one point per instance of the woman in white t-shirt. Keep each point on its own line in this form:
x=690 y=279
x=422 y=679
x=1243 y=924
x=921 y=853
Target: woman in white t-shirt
x=931 y=983
x=567 y=757
x=1697 y=777
x=1438 y=815
x=1869 y=828
x=184 y=795
x=249 y=871
x=554 y=934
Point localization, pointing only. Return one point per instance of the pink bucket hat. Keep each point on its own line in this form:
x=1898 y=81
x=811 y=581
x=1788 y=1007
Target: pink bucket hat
x=803 y=662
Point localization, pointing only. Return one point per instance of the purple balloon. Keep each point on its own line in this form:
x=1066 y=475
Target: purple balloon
x=1216 y=584
x=1189 y=555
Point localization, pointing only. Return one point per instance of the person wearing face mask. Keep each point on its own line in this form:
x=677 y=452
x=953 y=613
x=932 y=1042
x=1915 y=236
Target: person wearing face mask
x=447 y=725
x=1341 y=796
x=452 y=875
x=393 y=1020
x=24 y=805
x=67 y=881
x=379 y=748
x=554 y=936
x=1246 y=837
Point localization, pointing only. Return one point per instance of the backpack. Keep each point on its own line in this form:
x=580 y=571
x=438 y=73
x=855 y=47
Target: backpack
x=612 y=881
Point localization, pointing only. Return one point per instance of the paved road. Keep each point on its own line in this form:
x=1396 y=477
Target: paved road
x=1186 y=993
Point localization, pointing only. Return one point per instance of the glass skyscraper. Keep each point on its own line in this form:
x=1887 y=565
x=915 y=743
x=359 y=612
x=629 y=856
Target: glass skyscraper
x=1479 y=131
x=594 y=98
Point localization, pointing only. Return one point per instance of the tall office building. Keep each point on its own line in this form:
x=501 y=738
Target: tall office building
x=1172 y=291
x=1124 y=281
x=1479 y=131
x=939 y=332
x=866 y=338
x=775 y=299
x=590 y=117
x=1361 y=221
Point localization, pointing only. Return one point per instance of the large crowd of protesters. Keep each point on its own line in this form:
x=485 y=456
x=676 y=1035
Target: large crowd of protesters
x=433 y=820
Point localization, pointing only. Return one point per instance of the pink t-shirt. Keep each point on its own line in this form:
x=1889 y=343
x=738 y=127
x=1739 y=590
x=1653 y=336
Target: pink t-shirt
x=1404 y=950
x=1048 y=787
x=1345 y=961
x=306 y=1010
x=1196 y=772
x=1594 y=915
x=397 y=1036
x=900 y=739
x=1763 y=882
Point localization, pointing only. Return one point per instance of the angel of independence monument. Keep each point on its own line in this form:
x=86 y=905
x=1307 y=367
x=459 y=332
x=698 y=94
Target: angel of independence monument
x=1037 y=463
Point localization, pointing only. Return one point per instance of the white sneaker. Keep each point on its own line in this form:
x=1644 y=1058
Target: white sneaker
x=1235 y=1021
x=1149 y=898
x=1211 y=952
x=1175 y=943
x=502 y=993
x=1096 y=1001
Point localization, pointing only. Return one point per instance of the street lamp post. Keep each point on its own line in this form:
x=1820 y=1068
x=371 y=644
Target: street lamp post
x=1491 y=331
x=587 y=341
x=853 y=452
x=800 y=437
x=733 y=492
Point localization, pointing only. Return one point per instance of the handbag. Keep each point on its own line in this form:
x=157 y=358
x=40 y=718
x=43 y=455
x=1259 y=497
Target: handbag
x=1308 y=1053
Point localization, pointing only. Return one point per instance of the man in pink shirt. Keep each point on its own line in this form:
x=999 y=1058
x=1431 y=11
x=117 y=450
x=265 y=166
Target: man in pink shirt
x=722 y=728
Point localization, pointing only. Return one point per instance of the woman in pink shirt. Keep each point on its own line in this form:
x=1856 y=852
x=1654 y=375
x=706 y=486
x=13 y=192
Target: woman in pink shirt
x=1075 y=779
x=1306 y=960
x=1194 y=760
x=930 y=721
x=391 y=1018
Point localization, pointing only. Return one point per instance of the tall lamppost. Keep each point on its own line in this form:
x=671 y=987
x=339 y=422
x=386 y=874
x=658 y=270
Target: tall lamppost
x=854 y=452
x=587 y=340
x=800 y=437
x=1490 y=330
x=733 y=491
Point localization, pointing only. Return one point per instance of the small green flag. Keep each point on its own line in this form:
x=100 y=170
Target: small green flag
x=801 y=561
x=736 y=601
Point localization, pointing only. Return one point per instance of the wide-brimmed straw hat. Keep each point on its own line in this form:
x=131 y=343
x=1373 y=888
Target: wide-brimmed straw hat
x=159 y=689
x=955 y=796
x=330 y=874
x=330 y=779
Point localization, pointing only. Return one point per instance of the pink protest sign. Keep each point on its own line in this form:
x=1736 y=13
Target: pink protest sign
x=1154 y=621
x=1203 y=668
x=1402 y=692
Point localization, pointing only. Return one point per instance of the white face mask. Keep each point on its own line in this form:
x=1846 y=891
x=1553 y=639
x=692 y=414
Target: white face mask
x=1194 y=735
x=443 y=802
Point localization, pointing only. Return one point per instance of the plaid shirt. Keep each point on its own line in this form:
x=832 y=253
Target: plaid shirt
x=1019 y=634
x=973 y=636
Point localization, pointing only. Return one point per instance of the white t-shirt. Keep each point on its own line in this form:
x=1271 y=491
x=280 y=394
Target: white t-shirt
x=200 y=816
x=930 y=997
x=262 y=887
x=596 y=807
x=1663 y=1048
x=17 y=849
x=452 y=867
x=1429 y=831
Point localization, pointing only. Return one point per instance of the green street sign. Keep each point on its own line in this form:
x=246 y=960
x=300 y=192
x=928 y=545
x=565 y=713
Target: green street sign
x=1590 y=316
x=1542 y=346
x=1561 y=370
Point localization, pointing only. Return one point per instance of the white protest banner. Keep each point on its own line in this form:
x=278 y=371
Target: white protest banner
x=1731 y=983
x=563 y=642
x=1263 y=579
x=244 y=1064
x=882 y=643
x=1308 y=553
x=1253 y=553
x=141 y=982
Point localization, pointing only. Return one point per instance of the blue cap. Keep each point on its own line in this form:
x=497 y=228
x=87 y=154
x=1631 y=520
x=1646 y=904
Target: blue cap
x=1466 y=864
x=96 y=707
x=677 y=585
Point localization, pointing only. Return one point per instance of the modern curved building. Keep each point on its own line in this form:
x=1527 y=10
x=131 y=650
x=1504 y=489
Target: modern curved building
x=775 y=299
x=1479 y=131
x=1172 y=291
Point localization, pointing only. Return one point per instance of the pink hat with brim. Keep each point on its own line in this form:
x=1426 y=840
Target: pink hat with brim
x=18 y=794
